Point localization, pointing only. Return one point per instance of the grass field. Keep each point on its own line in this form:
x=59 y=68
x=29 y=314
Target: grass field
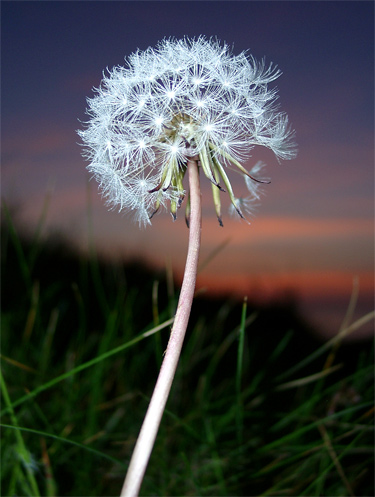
x=258 y=408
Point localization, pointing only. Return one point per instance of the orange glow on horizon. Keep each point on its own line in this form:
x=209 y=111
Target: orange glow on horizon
x=305 y=284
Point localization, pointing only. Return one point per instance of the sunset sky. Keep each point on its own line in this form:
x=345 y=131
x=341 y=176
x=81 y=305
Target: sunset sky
x=313 y=230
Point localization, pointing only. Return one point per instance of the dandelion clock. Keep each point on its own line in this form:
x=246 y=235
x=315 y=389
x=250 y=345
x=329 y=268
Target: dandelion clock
x=187 y=107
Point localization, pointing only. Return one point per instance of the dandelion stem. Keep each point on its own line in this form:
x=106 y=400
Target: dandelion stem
x=147 y=435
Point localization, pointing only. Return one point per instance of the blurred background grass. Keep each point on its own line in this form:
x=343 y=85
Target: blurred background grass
x=259 y=406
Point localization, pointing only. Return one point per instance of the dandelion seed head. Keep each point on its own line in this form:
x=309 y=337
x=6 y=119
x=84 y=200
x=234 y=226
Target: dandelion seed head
x=182 y=99
x=174 y=149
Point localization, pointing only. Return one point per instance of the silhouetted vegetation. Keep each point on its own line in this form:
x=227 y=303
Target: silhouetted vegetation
x=234 y=425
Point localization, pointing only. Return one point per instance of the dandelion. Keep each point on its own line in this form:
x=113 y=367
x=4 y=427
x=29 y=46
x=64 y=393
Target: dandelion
x=187 y=105
x=183 y=99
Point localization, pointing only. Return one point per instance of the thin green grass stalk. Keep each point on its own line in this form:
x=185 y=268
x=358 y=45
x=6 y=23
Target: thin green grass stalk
x=313 y=425
x=214 y=253
x=68 y=388
x=170 y=287
x=342 y=331
x=351 y=306
x=280 y=347
x=47 y=342
x=17 y=364
x=300 y=467
x=215 y=457
x=97 y=377
x=66 y=441
x=16 y=476
x=303 y=410
x=345 y=332
x=156 y=319
x=223 y=348
x=332 y=453
x=86 y=365
x=22 y=452
x=35 y=246
x=94 y=266
x=320 y=482
x=308 y=379
x=39 y=414
x=192 y=479
x=23 y=263
x=332 y=465
x=50 y=483
x=82 y=319
x=240 y=352
x=259 y=376
x=194 y=347
x=32 y=314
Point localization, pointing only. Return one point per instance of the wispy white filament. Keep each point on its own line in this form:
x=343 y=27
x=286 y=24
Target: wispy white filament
x=184 y=98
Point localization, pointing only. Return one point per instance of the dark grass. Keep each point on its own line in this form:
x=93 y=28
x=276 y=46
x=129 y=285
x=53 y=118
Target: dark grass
x=78 y=374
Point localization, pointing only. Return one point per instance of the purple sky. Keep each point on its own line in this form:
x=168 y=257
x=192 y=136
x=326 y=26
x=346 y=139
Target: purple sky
x=313 y=231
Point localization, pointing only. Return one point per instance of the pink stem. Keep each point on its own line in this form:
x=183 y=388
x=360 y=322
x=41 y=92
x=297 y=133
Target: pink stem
x=147 y=435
